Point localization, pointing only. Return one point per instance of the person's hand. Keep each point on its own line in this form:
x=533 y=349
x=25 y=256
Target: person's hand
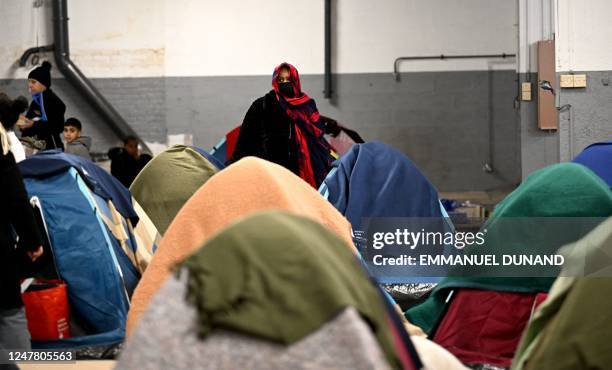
x=25 y=123
x=35 y=254
x=331 y=126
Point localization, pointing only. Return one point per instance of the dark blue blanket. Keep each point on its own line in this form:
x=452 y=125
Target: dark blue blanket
x=375 y=180
x=598 y=158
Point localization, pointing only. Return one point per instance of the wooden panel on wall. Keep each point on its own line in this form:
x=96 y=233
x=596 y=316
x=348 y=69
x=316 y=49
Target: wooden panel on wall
x=547 y=86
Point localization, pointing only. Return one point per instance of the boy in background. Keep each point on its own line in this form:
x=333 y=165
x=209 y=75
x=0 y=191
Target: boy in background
x=75 y=143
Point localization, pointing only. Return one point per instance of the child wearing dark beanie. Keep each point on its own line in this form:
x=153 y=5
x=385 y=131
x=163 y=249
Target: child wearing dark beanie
x=42 y=74
x=45 y=117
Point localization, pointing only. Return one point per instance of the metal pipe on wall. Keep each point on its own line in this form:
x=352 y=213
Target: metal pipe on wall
x=570 y=130
x=78 y=79
x=327 y=93
x=445 y=57
x=31 y=51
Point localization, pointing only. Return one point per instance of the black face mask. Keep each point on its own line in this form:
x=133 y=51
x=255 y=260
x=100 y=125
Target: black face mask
x=286 y=88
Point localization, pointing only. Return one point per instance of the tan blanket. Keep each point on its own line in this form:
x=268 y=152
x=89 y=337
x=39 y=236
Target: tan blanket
x=248 y=186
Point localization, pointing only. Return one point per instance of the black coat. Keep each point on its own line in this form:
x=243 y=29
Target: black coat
x=266 y=133
x=125 y=167
x=15 y=214
x=50 y=131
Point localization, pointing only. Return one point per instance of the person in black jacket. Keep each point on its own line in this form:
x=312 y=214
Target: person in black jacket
x=45 y=117
x=11 y=112
x=16 y=217
x=284 y=127
x=127 y=162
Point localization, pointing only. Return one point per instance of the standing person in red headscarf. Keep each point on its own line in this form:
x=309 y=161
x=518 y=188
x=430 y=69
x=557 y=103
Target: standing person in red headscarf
x=284 y=127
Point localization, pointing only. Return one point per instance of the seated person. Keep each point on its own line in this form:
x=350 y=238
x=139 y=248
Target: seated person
x=45 y=117
x=75 y=143
x=127 y=162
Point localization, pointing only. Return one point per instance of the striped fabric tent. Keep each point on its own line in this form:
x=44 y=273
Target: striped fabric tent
x=99 y=251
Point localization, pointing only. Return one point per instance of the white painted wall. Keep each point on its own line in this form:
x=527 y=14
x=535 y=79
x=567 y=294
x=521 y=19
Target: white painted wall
x=584 y=34
x=536 y=22
x=238 y=37
x=117 y=38
x=21 y=27
x=139 y=38
x=113 y=38
x=373 y=33
x=242 y=37
x=581 y=28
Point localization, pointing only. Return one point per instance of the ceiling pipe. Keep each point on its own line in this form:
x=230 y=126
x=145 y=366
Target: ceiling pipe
x=81 y=83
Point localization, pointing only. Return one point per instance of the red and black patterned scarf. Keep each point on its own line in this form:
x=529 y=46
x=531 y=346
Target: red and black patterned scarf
x=313 y=151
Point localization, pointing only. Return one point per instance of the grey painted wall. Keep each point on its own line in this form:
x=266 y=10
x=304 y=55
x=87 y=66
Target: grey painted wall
x=449 y=123
x=589 y=120
x=141 y=102
x=539 y=148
